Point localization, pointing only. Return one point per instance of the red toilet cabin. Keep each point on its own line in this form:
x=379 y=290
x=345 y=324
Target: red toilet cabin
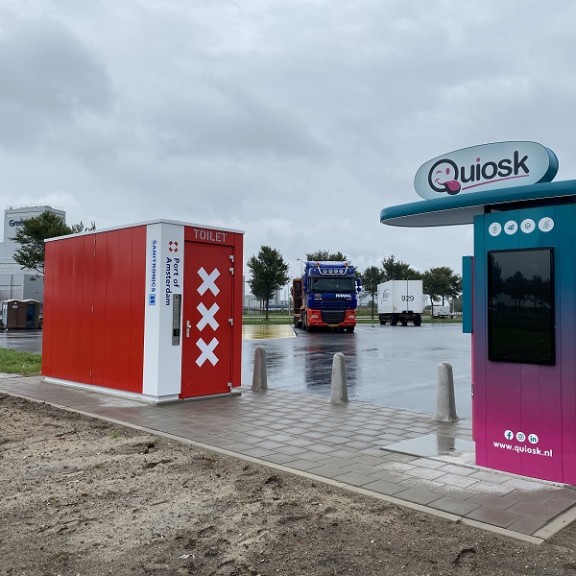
x=152 y=310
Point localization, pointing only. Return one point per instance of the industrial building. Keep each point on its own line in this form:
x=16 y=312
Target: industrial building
x=15 y=282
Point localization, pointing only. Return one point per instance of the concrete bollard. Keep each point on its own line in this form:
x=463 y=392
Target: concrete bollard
x=338 y=386
x=260 y=377
x=445 y=402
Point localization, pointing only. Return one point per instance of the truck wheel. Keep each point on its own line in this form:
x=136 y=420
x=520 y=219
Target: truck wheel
x=404 y=322
x=417 y=320
x=304 y=324
x=350 y=329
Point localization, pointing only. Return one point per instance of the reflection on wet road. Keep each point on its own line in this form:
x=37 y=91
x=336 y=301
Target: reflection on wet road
x=386 y=365
x=266 y=331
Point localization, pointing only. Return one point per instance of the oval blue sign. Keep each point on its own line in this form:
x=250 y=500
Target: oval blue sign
x=486 y=167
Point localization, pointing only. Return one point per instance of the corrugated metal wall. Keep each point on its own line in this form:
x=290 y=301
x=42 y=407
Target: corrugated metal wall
x=94 y=308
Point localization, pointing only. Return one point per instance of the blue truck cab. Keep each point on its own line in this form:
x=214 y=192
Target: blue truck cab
x=326 y=296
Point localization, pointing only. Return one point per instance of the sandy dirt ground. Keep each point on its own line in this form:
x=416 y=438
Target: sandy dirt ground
x=83 y=497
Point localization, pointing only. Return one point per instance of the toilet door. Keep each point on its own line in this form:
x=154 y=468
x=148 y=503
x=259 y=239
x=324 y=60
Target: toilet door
x=207 y=320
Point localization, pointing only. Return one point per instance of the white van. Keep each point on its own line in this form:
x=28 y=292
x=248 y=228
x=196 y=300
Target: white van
x=442 y=312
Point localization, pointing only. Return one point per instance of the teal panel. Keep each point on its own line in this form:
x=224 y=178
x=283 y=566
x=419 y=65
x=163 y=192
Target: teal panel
x=455 y=210
x=467 y=293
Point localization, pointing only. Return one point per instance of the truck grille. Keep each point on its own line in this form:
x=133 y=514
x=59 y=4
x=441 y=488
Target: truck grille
x=333 y=316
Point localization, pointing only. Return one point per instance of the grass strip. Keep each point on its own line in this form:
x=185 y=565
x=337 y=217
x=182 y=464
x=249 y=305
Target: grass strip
x=19 y=362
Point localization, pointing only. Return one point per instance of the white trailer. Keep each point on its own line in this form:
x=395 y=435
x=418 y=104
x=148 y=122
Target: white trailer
x=400 y=301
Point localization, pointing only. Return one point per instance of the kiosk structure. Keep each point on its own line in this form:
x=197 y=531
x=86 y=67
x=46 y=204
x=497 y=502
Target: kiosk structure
x=152 y=310
x=519 y=298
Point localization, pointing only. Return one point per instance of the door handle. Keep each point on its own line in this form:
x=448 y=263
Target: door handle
x=188 y=326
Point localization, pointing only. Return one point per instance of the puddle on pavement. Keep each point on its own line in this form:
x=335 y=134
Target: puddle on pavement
x=432 y=445
x=267 y=331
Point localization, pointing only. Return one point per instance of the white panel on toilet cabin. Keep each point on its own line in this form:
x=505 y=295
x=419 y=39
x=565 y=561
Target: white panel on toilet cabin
x=162 y=374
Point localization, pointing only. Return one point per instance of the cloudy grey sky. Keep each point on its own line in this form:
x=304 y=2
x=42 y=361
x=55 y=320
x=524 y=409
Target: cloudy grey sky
x=295 y=121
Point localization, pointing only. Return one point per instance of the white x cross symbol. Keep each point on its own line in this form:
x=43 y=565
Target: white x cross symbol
x=208 y=316
x=207 y=352
x=208 y=281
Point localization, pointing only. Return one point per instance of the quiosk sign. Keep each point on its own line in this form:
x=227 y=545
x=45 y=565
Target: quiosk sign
x=486 y=167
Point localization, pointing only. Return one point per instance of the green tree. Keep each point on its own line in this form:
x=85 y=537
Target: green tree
x=325 y=256
x=269 y=273
x=397 y=270
x=442 y=283
x=34 y=231
x=371 y=277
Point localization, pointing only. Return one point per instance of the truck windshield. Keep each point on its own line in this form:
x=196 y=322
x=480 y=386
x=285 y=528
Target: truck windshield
x=332 y=285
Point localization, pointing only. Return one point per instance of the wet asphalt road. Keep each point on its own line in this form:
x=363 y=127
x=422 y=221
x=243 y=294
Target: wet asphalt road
x=386 y=365
x=25 y=340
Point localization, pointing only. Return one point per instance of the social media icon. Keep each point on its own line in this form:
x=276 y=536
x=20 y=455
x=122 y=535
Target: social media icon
x=545 y=224
x=527 y=226
x=511 y=227
x=495 y=229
